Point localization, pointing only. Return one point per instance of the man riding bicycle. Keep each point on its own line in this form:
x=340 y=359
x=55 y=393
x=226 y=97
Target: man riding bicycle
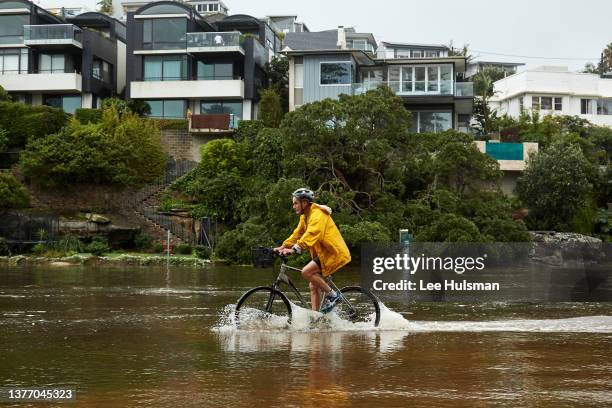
x=317 y=233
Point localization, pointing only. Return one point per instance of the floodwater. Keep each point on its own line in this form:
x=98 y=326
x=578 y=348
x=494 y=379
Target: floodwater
x=146 y=337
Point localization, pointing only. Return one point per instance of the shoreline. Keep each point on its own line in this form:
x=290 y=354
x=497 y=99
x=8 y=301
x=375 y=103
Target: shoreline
x=93 y=260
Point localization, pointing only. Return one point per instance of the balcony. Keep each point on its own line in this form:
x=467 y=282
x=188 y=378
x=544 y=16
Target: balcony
x=213 y=123
x=464 y=89
x=217 y=88
x=214 y=42
x=53 y=36
x=43 y=82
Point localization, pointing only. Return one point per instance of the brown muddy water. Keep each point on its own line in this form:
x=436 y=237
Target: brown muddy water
x=145 y=337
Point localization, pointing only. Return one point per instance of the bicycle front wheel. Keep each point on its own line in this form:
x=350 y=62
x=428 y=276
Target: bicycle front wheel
x=263 y=308
x=360 y=306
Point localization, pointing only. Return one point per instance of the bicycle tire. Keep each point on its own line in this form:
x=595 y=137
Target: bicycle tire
x=257 y=298
x=364 y=303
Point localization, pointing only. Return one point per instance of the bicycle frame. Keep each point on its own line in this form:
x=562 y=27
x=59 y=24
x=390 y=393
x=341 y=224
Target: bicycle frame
x=284 y=278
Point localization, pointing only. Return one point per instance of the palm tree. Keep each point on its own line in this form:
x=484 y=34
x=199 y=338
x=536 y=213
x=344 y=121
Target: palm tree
x=105 y=6
x=605 y=65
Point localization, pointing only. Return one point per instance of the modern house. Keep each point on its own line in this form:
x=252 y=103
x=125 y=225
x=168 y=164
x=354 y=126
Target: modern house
x=557 y=91
x=512 y=159
x=286 y=24
x=329 y=63
x=474 y=67
x=183 y=66
x=67 y=63
x=204 y=7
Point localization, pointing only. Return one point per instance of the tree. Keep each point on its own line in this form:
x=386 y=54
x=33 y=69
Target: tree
x=604 y=65
x=4 y=140
x=105 y=6
x=278 y=75
x=12 y=193
x=122 y=149
x=352 y=148
x=555 y=185
x=270 y=108
x=483 y=89
x=4 y=96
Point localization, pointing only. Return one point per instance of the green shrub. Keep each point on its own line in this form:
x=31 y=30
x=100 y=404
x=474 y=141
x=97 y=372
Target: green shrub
x=85 y=116
x=5 y=249
x=69 y=244
x=183 y=249
x=143 y=241
x=235 y=245
x=24 y=122
x=364 y=231
x=12 y=193
x=39 y=249
x=172 y=124
x=122 y=149
x=158 y=247
x=202 y=251
x=271 y=108
x=98 y=246
x=4 y=140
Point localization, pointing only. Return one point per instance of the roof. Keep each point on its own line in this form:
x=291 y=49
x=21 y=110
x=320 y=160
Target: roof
x=360 y=56
x=398 y=44
x=517 y=64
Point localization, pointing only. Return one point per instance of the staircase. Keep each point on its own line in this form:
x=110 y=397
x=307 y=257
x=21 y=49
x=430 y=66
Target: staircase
x=153 y=223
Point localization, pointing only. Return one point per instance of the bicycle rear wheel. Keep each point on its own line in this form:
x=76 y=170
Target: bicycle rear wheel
x=263 y=308
x=362 y=307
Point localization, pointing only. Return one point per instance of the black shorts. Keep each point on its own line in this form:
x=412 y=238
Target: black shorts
x=317 y=261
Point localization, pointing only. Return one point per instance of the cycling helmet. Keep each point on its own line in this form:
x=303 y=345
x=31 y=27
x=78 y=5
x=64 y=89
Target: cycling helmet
x=304 y=194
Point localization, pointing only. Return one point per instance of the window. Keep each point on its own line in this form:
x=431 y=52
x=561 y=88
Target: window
x=402 y=53
x=69 y=103
x=432 y=122
x=51 y=63
x=167 y=108
x=220 y=107
x=417 y=54
x=164 y=33
x=165 y=9
x=419 y=79
x=168 y=68
x=586 y=107
x=546 y=103
x=11 y=28
x=101 y=70
x=604 y=106
x=336 y=73
x=407 y=79
x=215 y=71
x=432 y=54
x=299 y=75
x=14 y=61
x=521 y=104
x=446 y=79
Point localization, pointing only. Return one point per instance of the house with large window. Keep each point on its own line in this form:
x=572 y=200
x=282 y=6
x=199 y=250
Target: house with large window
x=67 y=63
x=329 y=63
x=556 y=91
x=183 y=65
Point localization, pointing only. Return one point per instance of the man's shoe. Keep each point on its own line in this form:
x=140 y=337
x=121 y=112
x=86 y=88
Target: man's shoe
x=330 y=302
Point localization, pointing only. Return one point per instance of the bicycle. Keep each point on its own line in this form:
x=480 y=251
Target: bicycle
x=268 y=303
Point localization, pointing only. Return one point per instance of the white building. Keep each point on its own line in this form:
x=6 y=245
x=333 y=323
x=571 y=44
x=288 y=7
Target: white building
x=557 y=91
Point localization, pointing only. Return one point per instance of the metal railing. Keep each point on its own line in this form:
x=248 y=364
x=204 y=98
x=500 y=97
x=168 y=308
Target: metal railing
x=213 y=39
x=51 y=33
x=408 y=88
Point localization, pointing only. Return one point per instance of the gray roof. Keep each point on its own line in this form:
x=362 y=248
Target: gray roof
x=399 y=44
x=321 y=40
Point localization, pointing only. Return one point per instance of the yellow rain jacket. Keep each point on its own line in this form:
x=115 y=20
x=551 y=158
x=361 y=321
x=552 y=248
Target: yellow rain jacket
x=318 y=233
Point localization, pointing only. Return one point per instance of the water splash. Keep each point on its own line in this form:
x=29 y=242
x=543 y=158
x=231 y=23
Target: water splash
x=304 y=320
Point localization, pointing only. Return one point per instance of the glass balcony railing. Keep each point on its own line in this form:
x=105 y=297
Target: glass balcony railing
x=51 y=33
x=464 y=89
x=505 y=151
x=213 y=39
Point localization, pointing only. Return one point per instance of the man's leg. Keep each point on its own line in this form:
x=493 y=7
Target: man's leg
x=311 y=273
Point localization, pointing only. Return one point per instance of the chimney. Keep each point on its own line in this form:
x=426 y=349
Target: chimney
x=341 y=38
